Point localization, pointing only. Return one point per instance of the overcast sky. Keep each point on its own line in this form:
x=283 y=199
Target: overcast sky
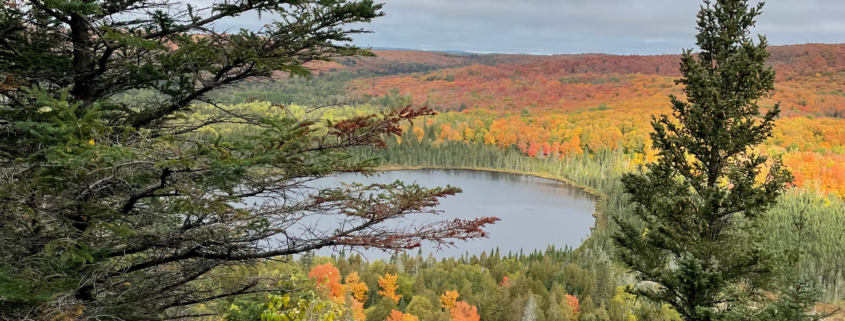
x=579 y=26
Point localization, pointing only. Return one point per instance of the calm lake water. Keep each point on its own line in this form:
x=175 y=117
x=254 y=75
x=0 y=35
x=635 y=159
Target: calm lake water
x=534 y=212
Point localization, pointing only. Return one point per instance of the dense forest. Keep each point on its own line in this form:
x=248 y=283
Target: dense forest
x=593 y=139
x=131 y=172
x=592 y=135
x=550 y=284
x=587 y=129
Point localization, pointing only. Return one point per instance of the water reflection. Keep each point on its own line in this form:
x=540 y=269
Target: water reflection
x=535 y=212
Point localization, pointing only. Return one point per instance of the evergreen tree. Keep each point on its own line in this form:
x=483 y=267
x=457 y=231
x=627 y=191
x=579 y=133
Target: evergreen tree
x=553 y=309
x=381 y=310
x=700 y=203
x=116 y=209
x=530 y=312
x=605 y=283
x=799 y=295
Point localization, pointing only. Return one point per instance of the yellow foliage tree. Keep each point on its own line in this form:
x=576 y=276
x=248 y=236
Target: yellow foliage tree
x=389 y=286
x=356 y=287
x=419 y=133
x=449 y=299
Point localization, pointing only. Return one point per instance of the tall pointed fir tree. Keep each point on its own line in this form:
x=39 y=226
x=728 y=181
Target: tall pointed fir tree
x=699 y=204
x=799 y=294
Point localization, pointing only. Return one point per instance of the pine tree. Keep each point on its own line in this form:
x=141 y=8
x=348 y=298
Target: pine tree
x=699 y=204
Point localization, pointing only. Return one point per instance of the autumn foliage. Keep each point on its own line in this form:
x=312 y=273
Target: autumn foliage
x=358 y=311
x=327 y=278
x=448 y=299
x=572 y=306
x=357 y=288
x=389 y=286
x=464 y=312
x=570 y=105
x=399 y=316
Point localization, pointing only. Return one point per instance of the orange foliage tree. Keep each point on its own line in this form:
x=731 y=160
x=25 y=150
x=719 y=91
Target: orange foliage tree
x=464 y=312
x=505 y=282
x=327 y=278
x=399 y=316
x=592 y=103
x=358 y=311
x=572 y=306
x=389 y=286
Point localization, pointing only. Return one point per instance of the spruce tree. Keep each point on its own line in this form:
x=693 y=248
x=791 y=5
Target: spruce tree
x=799 y=294
x=699 y=204
x=530 y=312
x=119 y=198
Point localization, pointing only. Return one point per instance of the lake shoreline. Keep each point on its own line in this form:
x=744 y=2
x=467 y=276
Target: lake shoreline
x=595 y=193
x=561 y=214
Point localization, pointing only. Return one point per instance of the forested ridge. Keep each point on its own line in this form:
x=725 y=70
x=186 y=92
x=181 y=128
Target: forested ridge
x=594 y=142
x=160 y=169
x=549 y=284
x=589 y=136
x=544 y=107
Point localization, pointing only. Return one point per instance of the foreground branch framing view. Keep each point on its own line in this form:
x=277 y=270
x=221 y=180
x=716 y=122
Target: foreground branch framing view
x=157 y=166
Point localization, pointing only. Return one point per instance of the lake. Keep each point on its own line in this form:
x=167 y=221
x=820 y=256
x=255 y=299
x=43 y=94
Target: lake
x=534 y=212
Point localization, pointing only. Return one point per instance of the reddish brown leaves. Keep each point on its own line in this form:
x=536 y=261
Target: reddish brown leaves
x=440 y=234
x=10 y=3
x=572 y=305
x=358 y=311
x=505 y=282
x=9 y=84
x=372 y=129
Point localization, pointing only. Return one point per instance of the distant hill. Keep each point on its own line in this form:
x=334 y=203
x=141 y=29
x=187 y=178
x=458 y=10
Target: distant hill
x=790 y=61
x=598 y=102
x=427 y=50
x=459 y=52
x=393 y=49
x=810 y=80
x=392 y=62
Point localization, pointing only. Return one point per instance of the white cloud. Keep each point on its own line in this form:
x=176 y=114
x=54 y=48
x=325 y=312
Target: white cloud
x=577 y=26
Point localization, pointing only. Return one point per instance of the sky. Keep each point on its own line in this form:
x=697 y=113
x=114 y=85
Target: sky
x=642 y=27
